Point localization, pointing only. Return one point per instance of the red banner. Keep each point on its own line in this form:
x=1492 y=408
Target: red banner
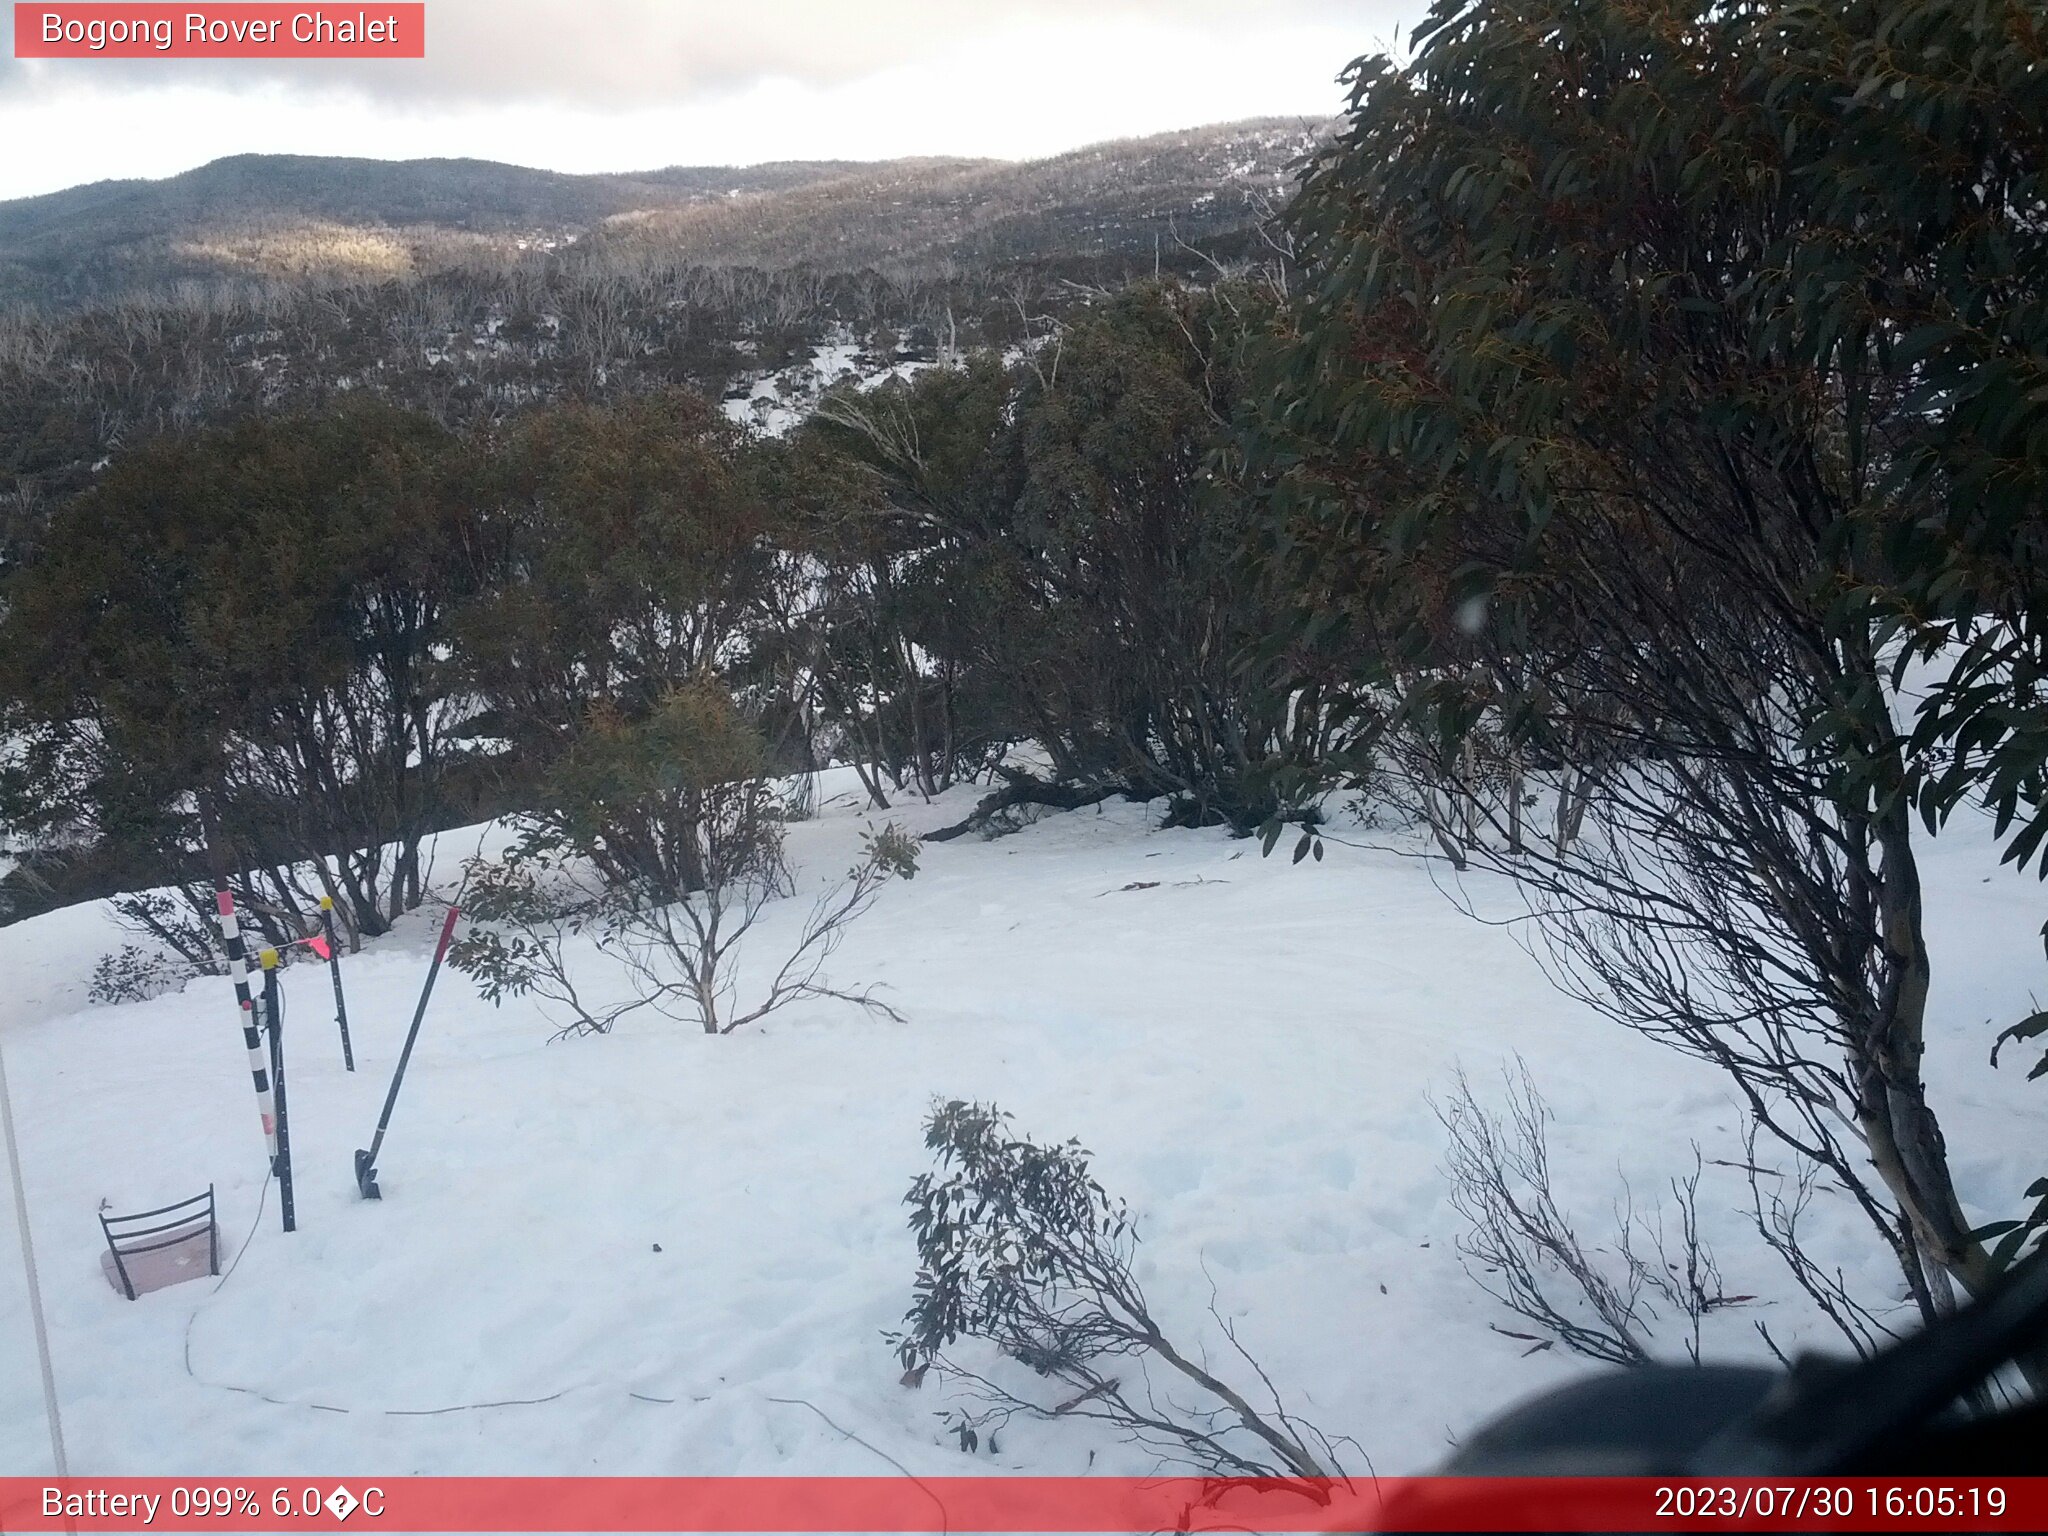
x=955 y=1505
x=261 y=31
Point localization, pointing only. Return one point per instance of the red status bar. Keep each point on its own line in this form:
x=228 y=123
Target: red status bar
x=1018 y=1504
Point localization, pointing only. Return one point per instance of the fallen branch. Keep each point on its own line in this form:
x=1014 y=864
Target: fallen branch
x=1024 y=789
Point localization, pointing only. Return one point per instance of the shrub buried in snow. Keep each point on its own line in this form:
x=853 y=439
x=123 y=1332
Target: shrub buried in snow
x=684 y=787
x=1019 y=1246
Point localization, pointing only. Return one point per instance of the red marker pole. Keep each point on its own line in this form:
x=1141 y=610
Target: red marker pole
x=366 y=1159
x=348 y=1055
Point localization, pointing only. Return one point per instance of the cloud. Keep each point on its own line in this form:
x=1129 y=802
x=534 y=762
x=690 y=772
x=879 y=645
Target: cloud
x=638 y=53
x=635 y=84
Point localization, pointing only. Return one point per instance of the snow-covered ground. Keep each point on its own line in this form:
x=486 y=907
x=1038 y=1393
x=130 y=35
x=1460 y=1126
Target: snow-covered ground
x=645 y=1249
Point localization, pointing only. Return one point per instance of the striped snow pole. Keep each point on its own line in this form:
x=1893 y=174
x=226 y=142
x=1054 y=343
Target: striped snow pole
x=241 y=967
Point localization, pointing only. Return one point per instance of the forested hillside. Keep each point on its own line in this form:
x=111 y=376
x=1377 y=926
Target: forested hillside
x=471 y=291
x=236 y=223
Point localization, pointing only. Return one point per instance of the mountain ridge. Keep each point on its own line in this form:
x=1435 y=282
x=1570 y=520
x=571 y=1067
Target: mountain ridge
x=300 y=217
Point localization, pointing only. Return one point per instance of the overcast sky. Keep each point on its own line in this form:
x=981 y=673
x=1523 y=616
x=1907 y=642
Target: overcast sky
x=587 y=85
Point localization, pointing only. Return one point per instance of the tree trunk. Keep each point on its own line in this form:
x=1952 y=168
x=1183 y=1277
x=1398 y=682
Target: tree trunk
x=1514 y=767
x=1905 y=1139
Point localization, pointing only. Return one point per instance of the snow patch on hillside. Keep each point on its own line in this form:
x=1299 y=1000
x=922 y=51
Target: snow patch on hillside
x=774 y=401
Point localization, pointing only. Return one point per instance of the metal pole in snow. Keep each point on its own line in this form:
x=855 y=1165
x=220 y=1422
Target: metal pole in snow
x=35 y=1289
x=366 y=1158
x=348 y=1055
x=252 y=1036
x=273 y=1018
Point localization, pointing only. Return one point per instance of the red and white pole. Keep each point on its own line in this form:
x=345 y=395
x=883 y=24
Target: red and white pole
x=241 y=968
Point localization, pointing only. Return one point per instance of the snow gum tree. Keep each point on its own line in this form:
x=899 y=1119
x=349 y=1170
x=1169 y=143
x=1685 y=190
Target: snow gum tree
x=625 y=554
x=1049 y=552
x=895 y=497
x=1660 y=379
x=661 y=840
x=238 y=629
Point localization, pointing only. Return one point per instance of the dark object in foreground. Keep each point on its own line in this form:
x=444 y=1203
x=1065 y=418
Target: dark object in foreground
x=366 y=1158
x=1898 y=1413
x=152 y=1249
